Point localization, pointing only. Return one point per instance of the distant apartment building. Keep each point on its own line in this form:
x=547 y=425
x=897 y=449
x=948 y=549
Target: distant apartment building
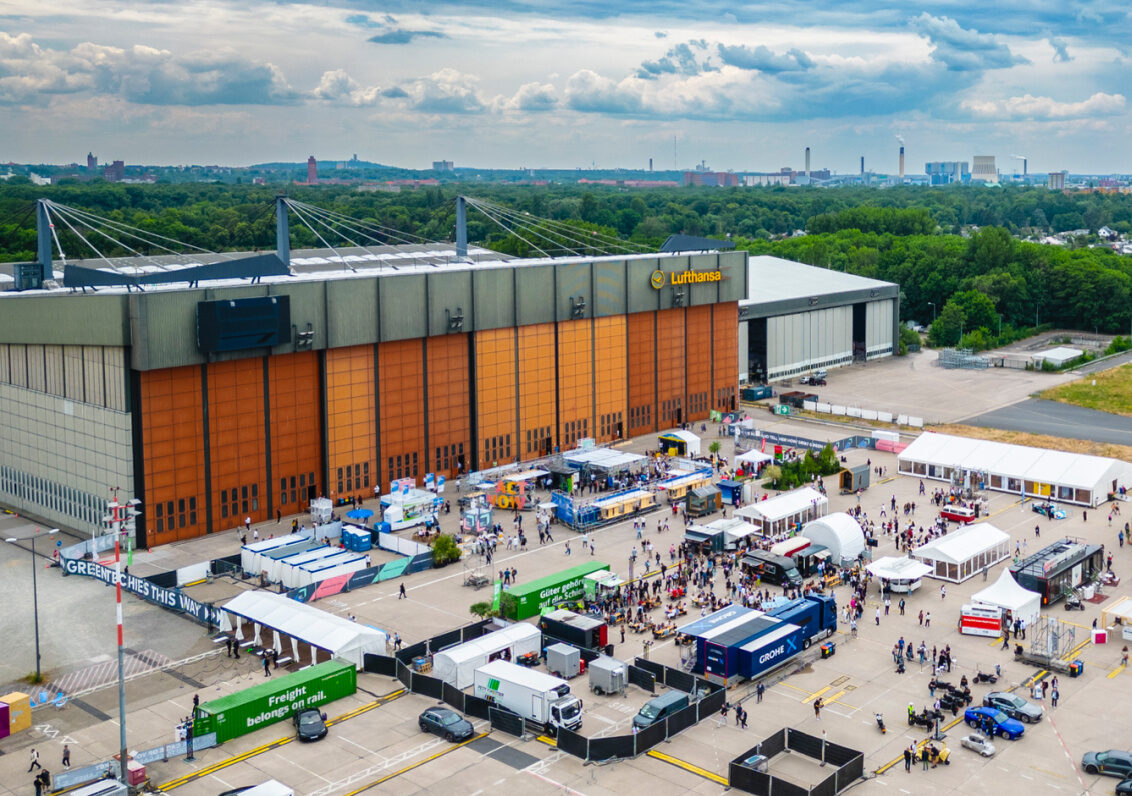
x=1056 y=181
x=91 y=162
x=442 y=165
x=115 y=172
x=983 y=169
x=312 y=171
x=716 y=179
x=945 y=172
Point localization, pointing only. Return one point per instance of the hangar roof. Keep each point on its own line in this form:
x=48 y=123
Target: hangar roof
x=777 y=279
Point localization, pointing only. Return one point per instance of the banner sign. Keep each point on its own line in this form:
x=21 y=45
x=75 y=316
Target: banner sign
x=363 y=577
x=496 y=595
x=173 y=599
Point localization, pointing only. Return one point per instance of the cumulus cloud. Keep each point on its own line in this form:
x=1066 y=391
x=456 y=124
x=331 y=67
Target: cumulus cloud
x=1060 y=50
x=1042 y=108
x=962 y=49
x=445 y=91
x=339 y=88
x=530 y=97
x=29 y=74
x=394 y=92
x=404 y=36
x=589 y=92
x=681 y=59
x=764 y=60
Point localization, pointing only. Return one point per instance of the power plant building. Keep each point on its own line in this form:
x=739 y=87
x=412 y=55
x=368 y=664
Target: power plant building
x=983 y=169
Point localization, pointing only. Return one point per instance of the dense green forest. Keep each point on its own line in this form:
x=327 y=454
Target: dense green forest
x=983 y=280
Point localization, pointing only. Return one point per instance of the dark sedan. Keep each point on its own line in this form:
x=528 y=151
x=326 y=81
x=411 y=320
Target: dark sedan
x=1013 y=706
x=1113 y=763
x=311 y=725
x=446 y=723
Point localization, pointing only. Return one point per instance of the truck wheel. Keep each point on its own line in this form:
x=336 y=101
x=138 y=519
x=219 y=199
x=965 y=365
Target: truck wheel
x=806 y=644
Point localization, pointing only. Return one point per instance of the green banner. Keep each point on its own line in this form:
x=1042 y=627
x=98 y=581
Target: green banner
x=496 y=594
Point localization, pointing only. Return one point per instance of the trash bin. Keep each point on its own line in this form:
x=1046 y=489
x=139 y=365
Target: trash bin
x=1076 y=668
x=828 y=648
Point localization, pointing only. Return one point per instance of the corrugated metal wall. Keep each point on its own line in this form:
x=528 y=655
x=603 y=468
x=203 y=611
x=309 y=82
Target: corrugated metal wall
x=878 y=328
x=804 y=341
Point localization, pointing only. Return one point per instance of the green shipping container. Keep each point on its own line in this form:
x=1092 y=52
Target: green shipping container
x=275 y=699
x=531 y=598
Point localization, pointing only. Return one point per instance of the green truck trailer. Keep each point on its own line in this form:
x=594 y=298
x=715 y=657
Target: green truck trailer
x=551 y=591
x=275 y=699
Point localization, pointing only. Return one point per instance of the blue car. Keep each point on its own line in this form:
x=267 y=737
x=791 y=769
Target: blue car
x=1001 y=724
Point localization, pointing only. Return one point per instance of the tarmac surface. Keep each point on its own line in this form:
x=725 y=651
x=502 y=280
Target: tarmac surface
x=1039 y=416
x=374 y=745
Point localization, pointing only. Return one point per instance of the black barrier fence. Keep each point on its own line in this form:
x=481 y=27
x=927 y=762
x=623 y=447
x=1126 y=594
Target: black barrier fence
x=711 y=704
x=405 y=675
x=656 y=669
x=642 y=678
x=745 y=779
x=573 y=743
x=772 y=745
x=748 y=780
x=406 y=654
x=682 y=681
x=854 y=769
x=380 y=664
x=506 y=721
x=454 y=697
x=429 y=686
x=827 y=787
x=476 y=707
x=683 y=719
x=780 y=787
x=653 y=735
x=809 y=745
x=445 y=640
x=476 y=629
x=839 y=755
x=612 y=747
x=166 y=580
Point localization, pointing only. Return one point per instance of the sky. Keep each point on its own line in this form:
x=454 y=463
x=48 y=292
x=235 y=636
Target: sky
x=569 y=84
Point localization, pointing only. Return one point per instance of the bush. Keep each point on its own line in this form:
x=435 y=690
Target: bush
x=508 y=605
x=1119 y=344
x=444 y=550
x=799 y=473
x=483 y=610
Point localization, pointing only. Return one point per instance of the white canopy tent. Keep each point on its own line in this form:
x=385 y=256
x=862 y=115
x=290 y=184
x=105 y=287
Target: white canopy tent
x=899 y=568
x=1006 y=594
x=1017 y=469
x=603 y=458
x=303 y=623
x=841 y=535
x=964 y=553
x=691 y=441
x=457 y=665
x=754 y=457
x=779 y=514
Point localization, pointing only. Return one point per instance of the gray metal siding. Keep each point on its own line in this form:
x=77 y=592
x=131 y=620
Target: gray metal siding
x=800 y=342
x=402 y=308
x=574 y=289
x=352 y=318
x=449 y=295
x=609 y=289
x=494 y=299
x=534 y=299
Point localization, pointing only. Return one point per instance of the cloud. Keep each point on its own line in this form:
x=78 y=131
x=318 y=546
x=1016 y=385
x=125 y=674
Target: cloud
x=404 y=36
x=961 y=49
x=362 y=21
x=589 y=92
x=339 y=88
x=681 y=59
x=395 y=92
x=763 y=60
x=1045 y=108
x=30 y=74
x=446 y=91
x=530 y=97
x=1060 y=50
x=660 y=34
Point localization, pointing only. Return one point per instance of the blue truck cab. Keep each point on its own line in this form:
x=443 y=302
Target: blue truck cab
x=816 y=614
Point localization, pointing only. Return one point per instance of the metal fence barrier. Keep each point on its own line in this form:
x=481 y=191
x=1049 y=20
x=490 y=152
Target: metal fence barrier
x=506 y=721
x=682 y=681
x=454 y=697
x=573 y=743
x=642 y=678
x=476 y=707
x=683 y=719
x=614 y=746
x=380 y=664
x=429 y=686
x=655 y=668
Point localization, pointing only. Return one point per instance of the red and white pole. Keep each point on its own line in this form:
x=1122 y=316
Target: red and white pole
x=116 y=510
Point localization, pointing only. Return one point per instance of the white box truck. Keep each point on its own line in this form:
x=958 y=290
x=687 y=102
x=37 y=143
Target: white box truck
x=535 y=696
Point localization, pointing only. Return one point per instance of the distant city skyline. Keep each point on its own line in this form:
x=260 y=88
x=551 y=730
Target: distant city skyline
x=566 y=85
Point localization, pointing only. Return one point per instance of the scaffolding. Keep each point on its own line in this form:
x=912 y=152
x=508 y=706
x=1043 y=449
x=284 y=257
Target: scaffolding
x=475 y=571
x=1052 y=641
x=965 y=358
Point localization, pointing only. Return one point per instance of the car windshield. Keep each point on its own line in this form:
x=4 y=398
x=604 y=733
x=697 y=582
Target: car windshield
x=997 y=716
x=448 y=719
x=649 y=711
x=310 y=718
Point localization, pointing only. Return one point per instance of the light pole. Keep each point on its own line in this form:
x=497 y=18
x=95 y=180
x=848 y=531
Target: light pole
x=35 y=596
x=932 y=305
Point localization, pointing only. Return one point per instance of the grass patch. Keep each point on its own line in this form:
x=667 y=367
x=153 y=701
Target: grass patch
x=1106 y=449
x=1112 y=392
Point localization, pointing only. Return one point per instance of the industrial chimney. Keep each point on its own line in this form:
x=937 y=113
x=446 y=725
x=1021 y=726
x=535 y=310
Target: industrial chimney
x=901 y=163
x=862 y=165
x=807 y=162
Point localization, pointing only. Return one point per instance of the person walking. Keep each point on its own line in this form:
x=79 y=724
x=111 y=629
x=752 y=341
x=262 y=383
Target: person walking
x=942 y=592
x=66 y=757
x=760 y=689
x=34 y=755
x=908 y=759
x=877 y=617
x=924 y=756
x=266 y=666
x=928 y=619
x=921 y=618
x=228 y=647
x=817 y=708
x=401 y=595
x=1054 y=695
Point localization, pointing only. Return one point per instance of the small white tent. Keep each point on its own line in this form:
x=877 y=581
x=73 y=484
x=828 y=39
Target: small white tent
x=691 y=441
x=841 y=535
x=1006 y=594
x=961 y=554
x=457 y=665
x=899 y=573
x=304 y=623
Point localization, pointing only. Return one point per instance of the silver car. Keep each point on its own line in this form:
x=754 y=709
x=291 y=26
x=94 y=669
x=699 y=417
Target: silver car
x=1013 y=706
x=978 y=743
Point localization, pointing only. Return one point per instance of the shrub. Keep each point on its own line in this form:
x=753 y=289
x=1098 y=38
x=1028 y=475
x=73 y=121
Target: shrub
x=445 y=550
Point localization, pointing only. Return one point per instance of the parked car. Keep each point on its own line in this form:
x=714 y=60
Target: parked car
x=1049 y=510
x=1112 y=763
x=978 y=743
x=1013 y=706
x=446 y=723
x=1001 y=723
x=1124 y=786
x=311 y=724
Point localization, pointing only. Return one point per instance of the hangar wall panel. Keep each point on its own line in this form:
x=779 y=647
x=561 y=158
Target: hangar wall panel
x=575 y=382
x=725 y=356
x=670 y=377
x=698 y=340
x=173 y=443
x=496 y=388
x=400 y=370
x=610 y=382
x=800 y=342
x=237 y=443
x=878 y=328
x=641 y=335
x=537 y=389
x=351 y=419
x=449 y=405
x=296 y=431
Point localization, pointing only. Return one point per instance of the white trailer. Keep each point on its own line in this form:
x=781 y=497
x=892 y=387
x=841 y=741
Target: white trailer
x=534 y=695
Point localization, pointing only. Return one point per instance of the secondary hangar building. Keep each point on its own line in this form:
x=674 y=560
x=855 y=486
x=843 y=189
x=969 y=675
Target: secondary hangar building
x=798 y=318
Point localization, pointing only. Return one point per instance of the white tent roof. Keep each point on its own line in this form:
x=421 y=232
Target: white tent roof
x=457 y=665
x=753 y=456
x=602 y=457
x=1076 y=470
x=898 y=568
x=687 y=436
x=839 y=532
x=784 y=505
x=340 y=637
x=1006 y=593
x=963 y=544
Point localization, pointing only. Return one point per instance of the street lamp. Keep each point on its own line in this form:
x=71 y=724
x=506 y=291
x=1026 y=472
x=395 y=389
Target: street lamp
x=932 y=305
x=35 y=596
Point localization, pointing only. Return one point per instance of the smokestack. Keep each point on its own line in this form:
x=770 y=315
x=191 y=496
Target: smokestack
x=902 y=163
x=807 y=161
x=862 y=165
x=650 y=164
x=1024 y=165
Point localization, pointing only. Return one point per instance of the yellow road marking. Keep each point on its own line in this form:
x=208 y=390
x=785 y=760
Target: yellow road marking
x=817 y=694
x=546 y=740
x=1116 y=671
x=796 y=688
x=689 y=767
x=834 y=698
x=417 y=764
x=267 y=747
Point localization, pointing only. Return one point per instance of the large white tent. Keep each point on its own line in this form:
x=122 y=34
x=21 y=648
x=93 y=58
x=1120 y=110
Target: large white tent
x=1005 y=593
x=457 y=665
x=1018 y=469
x=899 y=573
x=303 y=623
x=779 y=514
x=964 y=553
x=841 y=535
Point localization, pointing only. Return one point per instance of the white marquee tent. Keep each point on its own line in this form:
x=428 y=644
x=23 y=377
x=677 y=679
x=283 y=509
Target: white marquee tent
x=963 y=553
x=779 y=514
x=841 y=535
x=303 y=623
x=902 y=573
x=457 y=665
x=755 y=457
x=1018 y=469
x=1006 y=594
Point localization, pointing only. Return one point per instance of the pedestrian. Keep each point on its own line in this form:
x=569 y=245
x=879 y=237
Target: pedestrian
x=228 y=647
x=887 y=605
x=928 y=619
x=196 y=704
x=817 y=708
x=908 y=759
x=924 y=756
x=942 y=592
x=248 y=523
x=401 y=595
x=877 y=617
x=243 y=539
x=255 y=535
x=921 y=617
x=397 y=641
x=266 y=666
x=902 y=606
x=66 y=757
x=1054 y=695
x=742 y=717
x=760 y=689
x=34 y=760
x=723 y=715
x=622 y=634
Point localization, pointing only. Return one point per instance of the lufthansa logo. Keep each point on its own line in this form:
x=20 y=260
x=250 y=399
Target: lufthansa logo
x=657 y=279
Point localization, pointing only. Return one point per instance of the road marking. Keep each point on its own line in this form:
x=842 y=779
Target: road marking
x=817 y=694
x=417 y=764
x=919 y=745
x=689 y=767
x=1116 y=671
